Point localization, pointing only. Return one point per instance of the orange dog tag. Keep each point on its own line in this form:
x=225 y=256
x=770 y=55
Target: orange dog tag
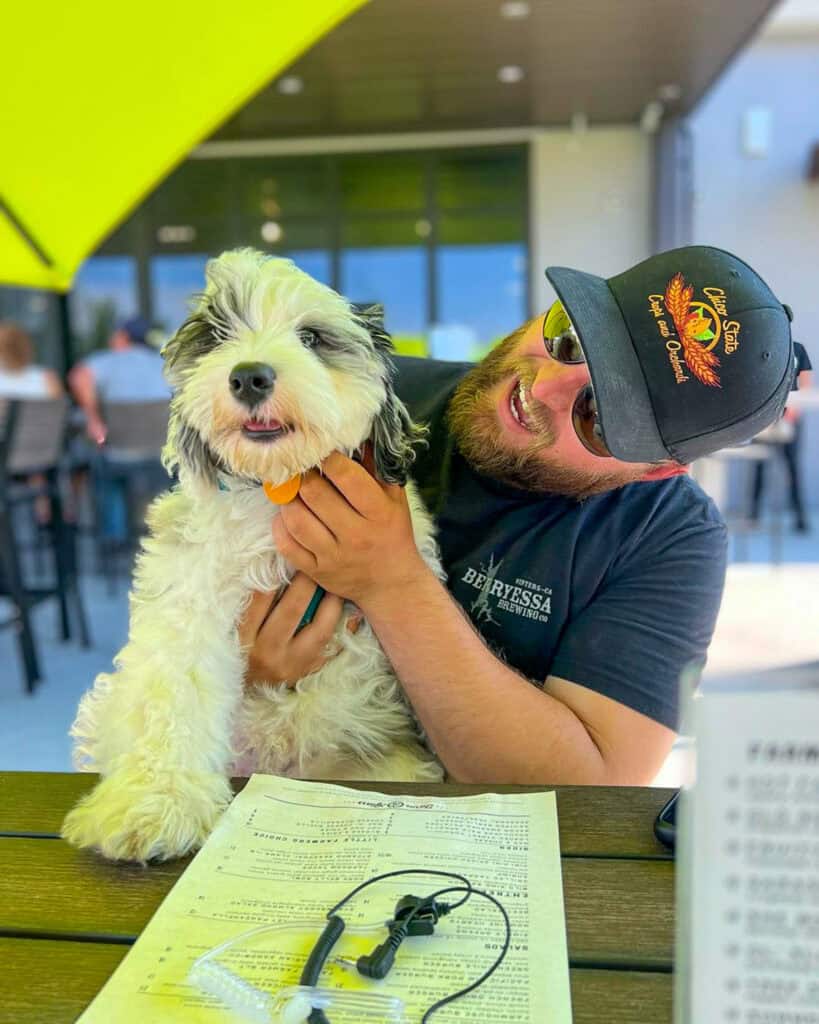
x=284 y=493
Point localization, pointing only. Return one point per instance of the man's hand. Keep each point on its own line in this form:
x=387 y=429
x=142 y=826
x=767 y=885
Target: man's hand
x=349 y=532
x=96 y=429
x=276 y=653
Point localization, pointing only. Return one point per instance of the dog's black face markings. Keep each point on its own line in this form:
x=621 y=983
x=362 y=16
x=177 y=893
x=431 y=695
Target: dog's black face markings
x=192 y=450
x=394 y=434
x=394 y=437
x=214 y=322
x=310 y=337
x=195 y=338
x=226 y=308
x=201 y=333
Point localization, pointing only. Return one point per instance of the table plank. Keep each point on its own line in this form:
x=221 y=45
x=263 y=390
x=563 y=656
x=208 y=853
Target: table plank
x=619 y=913
x=51 y=982
x=594 y=820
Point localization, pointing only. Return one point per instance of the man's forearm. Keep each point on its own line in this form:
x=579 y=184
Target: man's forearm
x=81 y=383
x=485 y=722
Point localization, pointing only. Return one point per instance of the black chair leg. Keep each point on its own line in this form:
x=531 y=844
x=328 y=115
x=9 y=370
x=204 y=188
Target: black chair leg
x=68 y=579
x=25 y=636
x=25 y=639
x=64 y=570
x=71 y=535
x=79 y=612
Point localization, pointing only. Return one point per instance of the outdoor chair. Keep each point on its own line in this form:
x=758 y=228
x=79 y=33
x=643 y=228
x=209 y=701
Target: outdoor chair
x=32 y=437
x=128 y=474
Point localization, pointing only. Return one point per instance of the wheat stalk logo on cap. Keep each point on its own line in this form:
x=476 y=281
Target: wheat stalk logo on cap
x=691 y=326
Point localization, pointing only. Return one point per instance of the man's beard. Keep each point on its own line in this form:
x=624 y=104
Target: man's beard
x=473 y=420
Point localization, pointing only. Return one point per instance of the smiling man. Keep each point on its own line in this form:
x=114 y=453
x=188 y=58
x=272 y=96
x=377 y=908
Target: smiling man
x=584 y=567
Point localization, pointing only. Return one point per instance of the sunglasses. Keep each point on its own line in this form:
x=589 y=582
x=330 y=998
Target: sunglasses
x=563 y=345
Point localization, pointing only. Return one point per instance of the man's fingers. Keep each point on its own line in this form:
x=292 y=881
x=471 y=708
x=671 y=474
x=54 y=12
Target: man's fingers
x=360 y=489
x=290 y=548
x=324 y=623
x=325 y=501
x=311 y=642
x=260 y=604
x=290 y=608
x=306 y=528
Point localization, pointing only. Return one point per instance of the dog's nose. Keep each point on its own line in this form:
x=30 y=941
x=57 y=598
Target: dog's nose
x=251 y=383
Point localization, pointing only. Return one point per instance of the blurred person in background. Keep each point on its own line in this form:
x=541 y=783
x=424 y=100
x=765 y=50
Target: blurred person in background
x=20 y=377
x=131 y=371
x=787 y=444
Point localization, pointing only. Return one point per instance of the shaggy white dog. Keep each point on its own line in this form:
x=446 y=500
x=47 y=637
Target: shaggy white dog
x=271 y=374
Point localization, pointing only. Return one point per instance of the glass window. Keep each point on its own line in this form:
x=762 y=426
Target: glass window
x=388 y=231
x=196 y=189
x=174 y=280
x=393 y=276
x=34 y=311
x=481 y=229
x=371 y=225
x=383 y=181
x=313 y=262
x=279 y=237
x=481 y=298
x=481 y=178
x=190 y=211
x=271 y=189
x=105 y=290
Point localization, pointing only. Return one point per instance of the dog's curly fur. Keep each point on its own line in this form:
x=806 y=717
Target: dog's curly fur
x=171 y=724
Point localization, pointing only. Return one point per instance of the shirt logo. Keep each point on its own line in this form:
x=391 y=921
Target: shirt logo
x=697 y=326
x=524 y=597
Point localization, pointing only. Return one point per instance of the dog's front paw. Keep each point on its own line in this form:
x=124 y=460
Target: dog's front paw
x=144 y=816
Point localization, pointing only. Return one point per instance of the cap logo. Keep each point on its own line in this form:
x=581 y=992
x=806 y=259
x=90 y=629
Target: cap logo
x=697 y=326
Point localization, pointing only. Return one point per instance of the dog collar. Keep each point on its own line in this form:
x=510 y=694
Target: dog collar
x=281 y=494
x=222 y=484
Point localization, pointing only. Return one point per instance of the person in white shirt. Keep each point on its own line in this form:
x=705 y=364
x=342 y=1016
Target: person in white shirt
x=20 y=377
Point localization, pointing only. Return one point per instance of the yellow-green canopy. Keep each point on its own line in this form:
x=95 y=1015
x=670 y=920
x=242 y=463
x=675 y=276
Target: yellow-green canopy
x=98 y=102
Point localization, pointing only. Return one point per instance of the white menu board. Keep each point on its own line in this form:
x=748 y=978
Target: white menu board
x=748 y=854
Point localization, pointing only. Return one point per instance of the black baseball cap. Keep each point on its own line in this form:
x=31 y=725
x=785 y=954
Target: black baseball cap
x=689 y=351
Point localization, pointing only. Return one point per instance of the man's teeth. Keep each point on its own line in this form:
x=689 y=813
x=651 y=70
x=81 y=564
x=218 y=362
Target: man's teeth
x=519 y=393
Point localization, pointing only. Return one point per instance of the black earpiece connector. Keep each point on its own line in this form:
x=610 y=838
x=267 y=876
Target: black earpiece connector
x=414 y=915
x=377 y=964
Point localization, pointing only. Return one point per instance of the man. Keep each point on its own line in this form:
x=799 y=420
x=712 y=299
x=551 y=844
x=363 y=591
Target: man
x=585 y=569
x=131 y=371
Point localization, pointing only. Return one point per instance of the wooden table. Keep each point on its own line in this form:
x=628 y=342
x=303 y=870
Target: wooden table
x=67 y=917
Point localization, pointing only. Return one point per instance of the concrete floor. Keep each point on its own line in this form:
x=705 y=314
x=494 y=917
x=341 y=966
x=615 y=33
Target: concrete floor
x=769 y=616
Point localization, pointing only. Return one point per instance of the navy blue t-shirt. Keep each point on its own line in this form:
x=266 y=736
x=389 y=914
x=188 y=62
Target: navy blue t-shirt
x=618 y=592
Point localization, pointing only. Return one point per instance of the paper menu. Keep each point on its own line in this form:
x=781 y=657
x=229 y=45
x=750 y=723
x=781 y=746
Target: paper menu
x=748 y=867
x=287 y=851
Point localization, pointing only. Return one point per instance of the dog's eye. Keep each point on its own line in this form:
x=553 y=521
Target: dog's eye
x=308 y=337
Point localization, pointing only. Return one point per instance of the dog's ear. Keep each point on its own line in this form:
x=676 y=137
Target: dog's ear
x=185 y=450
x=394 y=435
x=195 y=337
x=372 y=318
x=394 y=438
